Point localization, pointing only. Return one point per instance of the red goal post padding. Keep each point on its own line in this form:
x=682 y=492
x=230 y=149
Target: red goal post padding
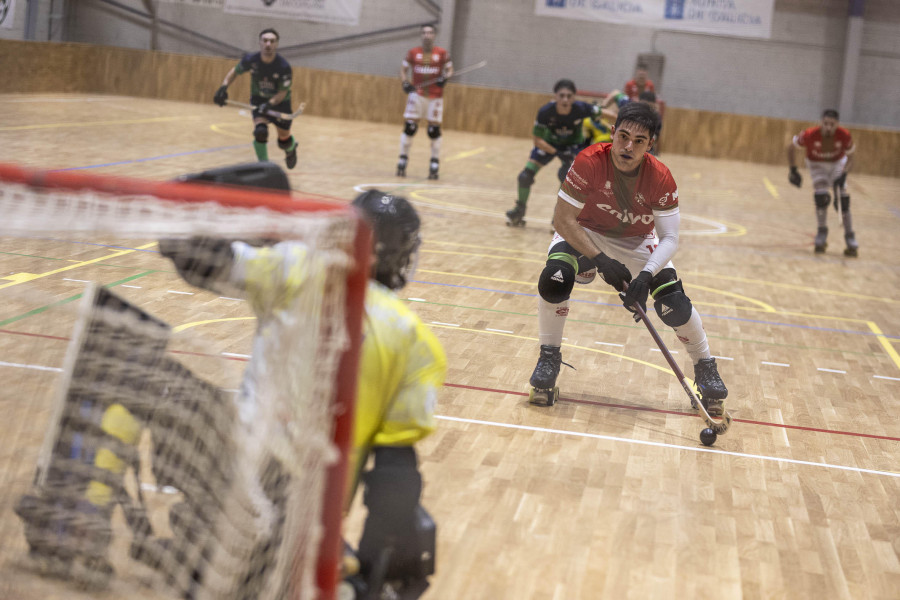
x=196 y=195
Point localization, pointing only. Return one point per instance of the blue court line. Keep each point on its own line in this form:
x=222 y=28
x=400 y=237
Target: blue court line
x=140 y=160
x=704 y=315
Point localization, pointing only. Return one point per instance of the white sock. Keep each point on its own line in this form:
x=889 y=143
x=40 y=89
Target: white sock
x=693 y=336
x=405 y=143
x=551 y=322
x=436 y=147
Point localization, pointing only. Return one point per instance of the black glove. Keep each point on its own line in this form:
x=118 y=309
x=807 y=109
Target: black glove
x=221 y=95
x=262 y=110
x=408 y=87
x=441 y=81
x=612 y=271
x=638 y=291
x=794 y=177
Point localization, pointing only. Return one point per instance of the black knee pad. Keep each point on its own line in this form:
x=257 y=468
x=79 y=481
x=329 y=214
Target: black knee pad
x=284 y=144
x=822 y=199
x=563 y=171
x=261 y=133
x=410 y=128
x=557 y=279
x=434 y=131
x=587 y=270
x=672 y=305
x=526 y=178
x=845 y=202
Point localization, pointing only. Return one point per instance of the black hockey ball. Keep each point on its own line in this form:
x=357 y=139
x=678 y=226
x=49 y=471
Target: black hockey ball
x=708 y=437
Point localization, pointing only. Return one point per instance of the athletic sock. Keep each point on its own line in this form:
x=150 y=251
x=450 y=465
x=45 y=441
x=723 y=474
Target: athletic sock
x=693 y=336
x=551 y=322
x=405 y=143
x=262 y=150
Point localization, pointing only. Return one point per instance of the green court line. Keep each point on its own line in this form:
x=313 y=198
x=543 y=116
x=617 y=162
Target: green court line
x=41 y=309
x=606 y=324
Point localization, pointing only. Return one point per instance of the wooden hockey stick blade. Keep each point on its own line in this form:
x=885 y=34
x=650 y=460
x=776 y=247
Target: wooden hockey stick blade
x=462 y=71
x=837 y=203
x=271 y=113
x=719 y=426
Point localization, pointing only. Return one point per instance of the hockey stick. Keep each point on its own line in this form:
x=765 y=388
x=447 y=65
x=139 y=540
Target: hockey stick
x=273 y=113
x=837 y=203
x=462 y=71
x=720 y=427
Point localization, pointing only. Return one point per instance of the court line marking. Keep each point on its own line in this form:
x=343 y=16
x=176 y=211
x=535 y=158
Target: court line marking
x=611 y=438
x=100 y=123
x=33 y=367
x=775 y=364
x=831 y=370
x=772 y=189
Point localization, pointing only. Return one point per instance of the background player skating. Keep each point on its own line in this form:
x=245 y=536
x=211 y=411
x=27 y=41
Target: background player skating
x=617 y=214
x=829 y=156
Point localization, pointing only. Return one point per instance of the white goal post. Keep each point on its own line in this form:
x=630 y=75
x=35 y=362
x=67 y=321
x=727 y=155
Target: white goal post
x=165 y=441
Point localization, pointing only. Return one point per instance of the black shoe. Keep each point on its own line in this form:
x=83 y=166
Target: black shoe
x=712 y=389
x=401 y=166
x=290 y=158
x=547 y=369
x=852 y=249
x=821 y=236
x=516 y=216
x=433 y=169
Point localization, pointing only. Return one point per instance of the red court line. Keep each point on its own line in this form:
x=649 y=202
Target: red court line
x=684 y=414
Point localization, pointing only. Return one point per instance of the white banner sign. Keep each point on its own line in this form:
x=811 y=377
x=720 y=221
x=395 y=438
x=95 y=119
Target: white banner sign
x=7 y=13
x=743 y=18
x=344 y=12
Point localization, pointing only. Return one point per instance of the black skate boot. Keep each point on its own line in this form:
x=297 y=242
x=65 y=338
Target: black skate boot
x=821 y=236
x=712 y=390
x=290 y=157
x=852 y=249
x=543 y=380
x=401 y=165
x=433 y=169
x=516 y=216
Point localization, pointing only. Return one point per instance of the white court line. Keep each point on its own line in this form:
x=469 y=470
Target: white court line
x=884 y=377
x=445 y=324
x=35 y=367
x=831 y=370
x=722 y=357
x=497 y=330
x=664 y=445
x=232 y=354
x=230 y=298
x=182 y=293
x=658 y=350
x=416 y=299
x=775 y=364
x=610 y=344
x=136 y=287
x=78 y=280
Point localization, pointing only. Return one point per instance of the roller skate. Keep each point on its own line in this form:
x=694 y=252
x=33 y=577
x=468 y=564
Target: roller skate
x=712 y=390
x=516 y=216
x=821 y=236
x=290 y=157
x=401 y=165
x=544 y=391
x=852 y=249
x=433 y=169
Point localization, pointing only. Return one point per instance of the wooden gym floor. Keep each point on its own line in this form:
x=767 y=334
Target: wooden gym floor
x=608 y=494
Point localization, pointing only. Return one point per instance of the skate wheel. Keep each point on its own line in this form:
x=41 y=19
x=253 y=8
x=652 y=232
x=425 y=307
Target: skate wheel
x=543 y=397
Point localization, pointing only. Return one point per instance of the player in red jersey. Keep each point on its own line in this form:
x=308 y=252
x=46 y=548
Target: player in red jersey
x=617 y=214
x=829 y=156
x=635 y=87
x=425 y=70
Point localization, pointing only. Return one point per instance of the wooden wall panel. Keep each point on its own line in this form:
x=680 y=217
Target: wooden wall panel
x=38 y=67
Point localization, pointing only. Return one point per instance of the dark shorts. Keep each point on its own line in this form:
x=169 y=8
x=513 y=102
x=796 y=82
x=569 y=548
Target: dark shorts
x=283 y=106
x=542 y=158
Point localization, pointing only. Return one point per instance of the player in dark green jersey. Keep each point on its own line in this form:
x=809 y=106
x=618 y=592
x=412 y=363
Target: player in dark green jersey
x=270 y=90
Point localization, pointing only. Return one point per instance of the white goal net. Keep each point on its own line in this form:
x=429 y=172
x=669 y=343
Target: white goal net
x=178 y=366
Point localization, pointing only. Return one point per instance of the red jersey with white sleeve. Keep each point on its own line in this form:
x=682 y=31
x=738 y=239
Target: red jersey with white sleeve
x=824 y=149
x=427 y=66
x=632 y=90
x=613 y=204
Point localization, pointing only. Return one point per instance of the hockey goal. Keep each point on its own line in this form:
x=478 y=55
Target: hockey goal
x=165 y=441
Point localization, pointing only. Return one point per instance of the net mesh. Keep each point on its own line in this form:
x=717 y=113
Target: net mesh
x=162 y=440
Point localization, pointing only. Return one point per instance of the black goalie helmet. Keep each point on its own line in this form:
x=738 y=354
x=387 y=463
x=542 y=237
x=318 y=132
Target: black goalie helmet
x=395 y=226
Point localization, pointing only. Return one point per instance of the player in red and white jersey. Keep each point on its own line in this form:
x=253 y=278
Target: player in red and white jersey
x=617 y=213
x=829 y=156
x=424 y=73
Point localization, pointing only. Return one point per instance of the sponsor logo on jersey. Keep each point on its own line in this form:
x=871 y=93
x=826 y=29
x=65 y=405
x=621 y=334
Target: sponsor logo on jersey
x=665 y=199
x=627 y=216
x=639 y=198
x=572 y=183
